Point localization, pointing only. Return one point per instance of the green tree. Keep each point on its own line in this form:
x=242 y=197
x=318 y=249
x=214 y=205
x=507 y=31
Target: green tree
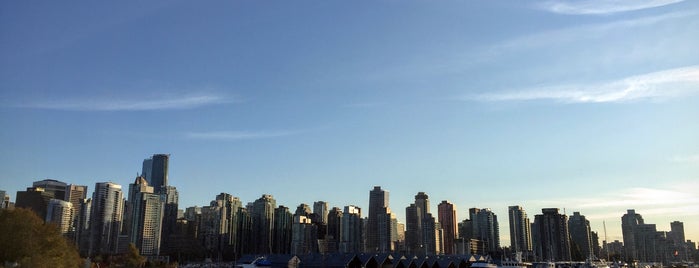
x=27 y=240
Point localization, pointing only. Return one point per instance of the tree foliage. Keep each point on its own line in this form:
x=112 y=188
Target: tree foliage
x=27 y=240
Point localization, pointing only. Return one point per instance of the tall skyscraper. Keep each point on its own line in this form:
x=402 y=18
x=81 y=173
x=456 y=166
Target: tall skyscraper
x=553 y=242
x=520 y=233
x=352 y=227
x=145 y=217
x=486 y=228
x=447 y=220
x=60 y=213
x=320 y=208
x=640 y=239
x=171 y=197
x=36 y=199
x=263 y=223
x=579 y=229
x=335 y=227
x=155 y=170
x=677 y=232
x=283 y=226
x=76 y=194
x=106 y=218
x=378 y=237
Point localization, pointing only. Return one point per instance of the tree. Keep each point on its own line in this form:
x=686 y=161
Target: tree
x=134 y=258
x=27 y=240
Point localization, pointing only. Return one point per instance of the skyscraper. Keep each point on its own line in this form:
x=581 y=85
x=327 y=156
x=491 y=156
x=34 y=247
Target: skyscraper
x=579 y=229
x=263 y=223
x=106 y=218
x=56 y=188
x=378 y=238
x=447 y=219
x=60 y=213
x=335 y=227
x=486 y=228
x=520 y=233
x=283 y=226
x=639 y=238
x=320 y=208
x=352 y=226
x=145 y=216
x=553 y=243
x=76 y=194
x=36 y=199
x=155 y=170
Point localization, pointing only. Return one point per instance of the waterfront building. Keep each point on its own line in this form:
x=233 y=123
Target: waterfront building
x=144 y=218
x=447 y=220
x=106 y=218
x=485 y=228
x=60 y=213
x=352 y=227
x=551 y=236
x=580 y=235
x=520 y=232
x=263 y=223
x=283 y=227
x=378 y=229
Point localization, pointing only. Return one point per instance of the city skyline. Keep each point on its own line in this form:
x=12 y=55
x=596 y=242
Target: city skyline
x=583 y=106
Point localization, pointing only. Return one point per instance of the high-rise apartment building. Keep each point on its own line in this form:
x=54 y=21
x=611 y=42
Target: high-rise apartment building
x=418 y=239
x=335 y=227
x=352 y=226
x=642 y=241
x=447 y=220
x=263 y=223
x=520 y=233
x=60 y=213
x=580 y=235
x=552 y=240
x=106 y=218
x=378 y=237
x=76 y=194
x=320 y=208
x=283 y=227
x=486 y=228
x=35 y=199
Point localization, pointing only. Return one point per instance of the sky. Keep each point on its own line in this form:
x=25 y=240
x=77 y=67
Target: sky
x=588 y=106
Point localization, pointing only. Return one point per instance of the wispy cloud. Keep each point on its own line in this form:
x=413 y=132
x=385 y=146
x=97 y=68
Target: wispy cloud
x=238 y=135
x=574 y=34
x=665 y=84
x=143 y=103
x=601 y=7
x=692 y=159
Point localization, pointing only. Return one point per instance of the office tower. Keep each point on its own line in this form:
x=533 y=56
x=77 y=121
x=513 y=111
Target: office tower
x=579 y=230
x=145 y=217
x=352 y=226
x=76 y=194
x=520 y=234
x=60 y=213
x=36 y=199
x=595 y=244
x=82 y=231
x=246 y=240
x=447 y=219
x=486 y=228
x=283 y=225
x=429 y=235
x=677 y=232
x=171 y=197
x=218 y=229
x=56 y=188
x=378 y=237
x=553 y=243
x=335 y=226
x=415 y=216
x=629 y=223
x=155 y=170
x=106 y=218
x=263 y=223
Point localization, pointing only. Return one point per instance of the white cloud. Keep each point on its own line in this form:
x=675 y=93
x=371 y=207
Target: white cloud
x=665 y=84
x=237 y=135
x=143 y=103
x=601 y=7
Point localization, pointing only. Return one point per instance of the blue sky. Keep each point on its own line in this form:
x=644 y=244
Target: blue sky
x=590 y=106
